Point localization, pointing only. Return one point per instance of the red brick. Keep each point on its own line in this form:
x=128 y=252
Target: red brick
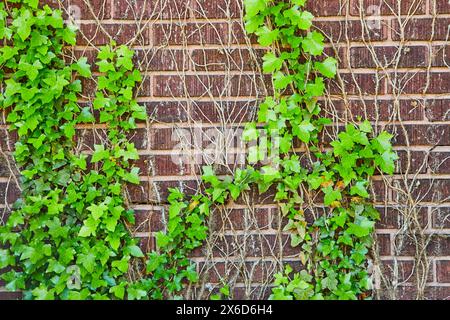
x=7 y=139
x=331 y=8
x=217 y=9
x=425 y=135
x=441 y=217
x=92 y=34
x=426 y=190
x=189 y=86
x=381 y=110
x=443 y=271
x=149 y=221
x=441 y=56
x=164 y=138
x=239 y=36
x=5 y=295
x=174 y=10
x=229 y=59
x=230 y=112
x=9 y=192
x=356 y=84
x=421 y=29
x=162 y=165
x=249 y=85
x=355 y=30
x=411 y=162
x=385 y=57
x=147 y=244
x=190 y=33
x=161 y=60
x=144 y=89
x=371 y=8
x=439 y=245
x=442 y=6
x=91 y=10
x=394 y=217
x=437 y=109
x=167 y=111
x=402 y=271
x=413 y=83
x=439 y=162
x=383 y=243
x=133 y=9
x=238 y=219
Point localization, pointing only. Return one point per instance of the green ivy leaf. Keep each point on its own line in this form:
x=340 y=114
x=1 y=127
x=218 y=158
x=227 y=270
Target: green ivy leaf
x=82 y=67
x=359 y=189
x=313 y=43
x=331 y=195
x=253 y=7
x=328 y=67
x=135 y=251
x=271 y=62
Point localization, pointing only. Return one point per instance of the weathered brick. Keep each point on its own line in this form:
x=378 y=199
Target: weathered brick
x=224 y=60
x=161 y=60
x=439 y=162
x=442 y=6
x=226 y=111
x=440 y=56
x=190 y=33
x=356 y=84
x=174 y=10
x=441 y=217
x=402 y=271
x=81 y=9
x=421 y=135
x=217 y=9
x=162 y=165
x=149 y=220
x=167 y=111
x=332 y=8
x=190 y=85
x=372 y=110
x=93 y=34
x=421 y=29
x=374 y=8
x=132 y=9
x=395 y=217
x=238 y=219
x=338 y=31
x=383 y=242
x=443 y=271
x=385 y=57
x=437 y=109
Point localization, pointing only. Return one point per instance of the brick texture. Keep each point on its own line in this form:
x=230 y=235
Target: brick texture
x=202 y=77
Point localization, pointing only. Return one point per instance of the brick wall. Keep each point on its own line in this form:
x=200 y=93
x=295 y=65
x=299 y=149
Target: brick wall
x=202 y=80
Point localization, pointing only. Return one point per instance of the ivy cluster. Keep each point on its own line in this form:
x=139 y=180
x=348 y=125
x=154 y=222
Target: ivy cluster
x=67 y=236
x=334 y=248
